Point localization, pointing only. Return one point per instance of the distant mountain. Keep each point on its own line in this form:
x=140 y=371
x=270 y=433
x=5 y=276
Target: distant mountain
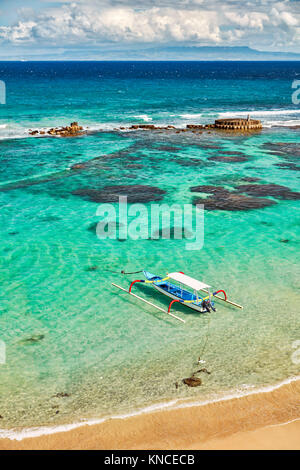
x=109 y=52
x=208 y=53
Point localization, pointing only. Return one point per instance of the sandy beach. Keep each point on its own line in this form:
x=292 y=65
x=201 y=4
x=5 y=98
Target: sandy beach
x=264 y=420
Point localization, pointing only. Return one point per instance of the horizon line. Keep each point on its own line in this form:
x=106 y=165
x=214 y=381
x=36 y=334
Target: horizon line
x=149 y=60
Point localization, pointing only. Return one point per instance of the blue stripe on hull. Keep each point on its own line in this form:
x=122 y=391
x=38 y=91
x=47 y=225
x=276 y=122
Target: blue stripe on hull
x=173 y=291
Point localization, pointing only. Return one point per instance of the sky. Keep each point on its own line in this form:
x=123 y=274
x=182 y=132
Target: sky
x=104 y=29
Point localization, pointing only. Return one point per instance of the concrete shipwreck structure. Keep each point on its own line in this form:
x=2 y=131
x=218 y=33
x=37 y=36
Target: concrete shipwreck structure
x=238 y=124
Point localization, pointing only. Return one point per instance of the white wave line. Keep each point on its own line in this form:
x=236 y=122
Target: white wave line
x=18 y=435
x=271 y=112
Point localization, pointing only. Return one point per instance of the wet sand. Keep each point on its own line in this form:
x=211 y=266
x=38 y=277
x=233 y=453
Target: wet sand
x=265 y=420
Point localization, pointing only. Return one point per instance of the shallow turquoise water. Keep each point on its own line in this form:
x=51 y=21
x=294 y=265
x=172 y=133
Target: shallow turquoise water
x=108 y=352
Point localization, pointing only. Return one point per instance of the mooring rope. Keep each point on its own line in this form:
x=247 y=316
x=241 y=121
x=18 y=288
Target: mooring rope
x=207 y=337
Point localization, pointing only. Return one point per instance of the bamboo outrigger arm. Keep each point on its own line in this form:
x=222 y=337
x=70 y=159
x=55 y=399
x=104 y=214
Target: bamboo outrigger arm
x=147 y=302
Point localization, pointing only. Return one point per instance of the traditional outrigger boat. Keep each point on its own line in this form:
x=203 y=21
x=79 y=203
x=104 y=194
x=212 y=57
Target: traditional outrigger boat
x=195 y=299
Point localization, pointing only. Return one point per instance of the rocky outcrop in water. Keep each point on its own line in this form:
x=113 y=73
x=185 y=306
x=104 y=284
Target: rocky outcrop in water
x=230 y=124
x=195 y=126
x=69 y=131
x=148 y=127
x=192 y=381
x=224 y=124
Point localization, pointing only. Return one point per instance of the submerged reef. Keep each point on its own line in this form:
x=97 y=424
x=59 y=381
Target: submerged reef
x=228 y=159
x=223 y=199
x=274 y=190
x=233 y=202
x=134 y=193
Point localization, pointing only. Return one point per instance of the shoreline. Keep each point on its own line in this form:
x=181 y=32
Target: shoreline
x=255 y=415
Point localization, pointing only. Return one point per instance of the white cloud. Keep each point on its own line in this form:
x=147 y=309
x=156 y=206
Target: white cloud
x=260 y=22
x=116 y=24
x=253 y=20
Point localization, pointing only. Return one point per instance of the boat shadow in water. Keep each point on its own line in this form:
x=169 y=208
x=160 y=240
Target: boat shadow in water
x=165 y=302
x=148 y=309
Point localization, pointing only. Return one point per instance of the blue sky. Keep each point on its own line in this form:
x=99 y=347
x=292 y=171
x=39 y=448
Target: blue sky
x=95 y=29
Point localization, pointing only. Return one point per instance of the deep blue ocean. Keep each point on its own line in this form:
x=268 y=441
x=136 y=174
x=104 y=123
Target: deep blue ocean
x=76 y=348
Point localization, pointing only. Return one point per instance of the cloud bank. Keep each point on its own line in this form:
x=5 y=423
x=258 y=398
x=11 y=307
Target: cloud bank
x=263 y=24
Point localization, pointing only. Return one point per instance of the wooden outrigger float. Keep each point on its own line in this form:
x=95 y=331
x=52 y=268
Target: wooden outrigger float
x=177 y=293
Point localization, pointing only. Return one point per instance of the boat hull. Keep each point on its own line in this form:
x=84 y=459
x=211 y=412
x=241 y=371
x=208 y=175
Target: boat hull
x=198 y=308
x=164 y=287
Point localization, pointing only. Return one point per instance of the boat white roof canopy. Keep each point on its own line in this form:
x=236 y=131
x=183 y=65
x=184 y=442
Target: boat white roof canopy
x=188 y=281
